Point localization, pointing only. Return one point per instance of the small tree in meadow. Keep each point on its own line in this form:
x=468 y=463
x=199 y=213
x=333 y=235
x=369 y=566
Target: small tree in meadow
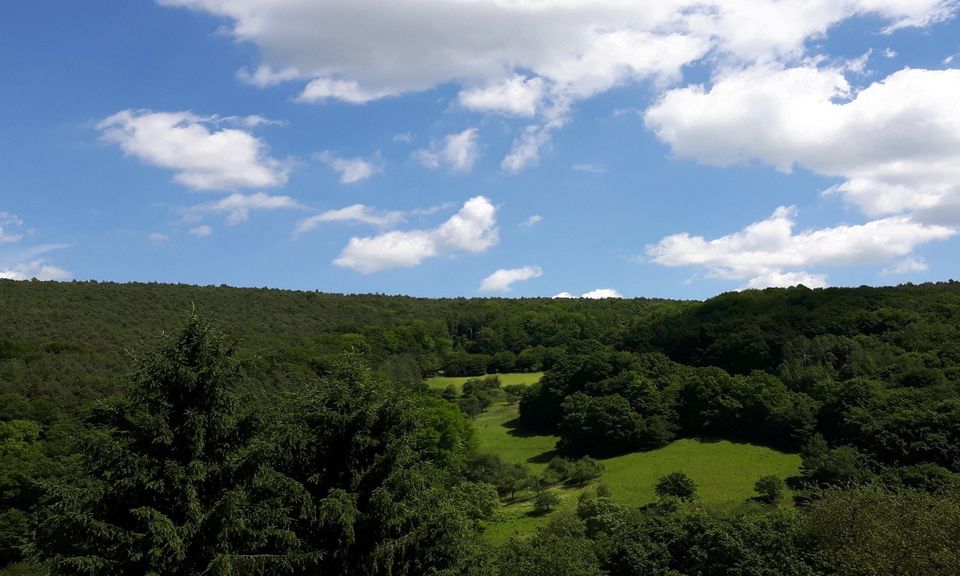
x=676 y=485
x=546 y=501
x=769 y=489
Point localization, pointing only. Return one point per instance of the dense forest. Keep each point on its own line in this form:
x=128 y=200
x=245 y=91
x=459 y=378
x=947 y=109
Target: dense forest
x=170 y=429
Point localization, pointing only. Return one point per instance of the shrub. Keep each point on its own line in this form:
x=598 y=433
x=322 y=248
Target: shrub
x=676 y=485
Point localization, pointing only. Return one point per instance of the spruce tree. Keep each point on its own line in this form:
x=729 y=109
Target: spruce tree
x=167 y=464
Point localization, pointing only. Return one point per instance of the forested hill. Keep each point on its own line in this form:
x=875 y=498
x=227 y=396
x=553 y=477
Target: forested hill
x=65 y=343
x=293 y=432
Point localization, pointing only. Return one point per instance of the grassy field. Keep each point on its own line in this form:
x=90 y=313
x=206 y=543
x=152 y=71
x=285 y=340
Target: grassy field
x=724 y=471
x=441 y=382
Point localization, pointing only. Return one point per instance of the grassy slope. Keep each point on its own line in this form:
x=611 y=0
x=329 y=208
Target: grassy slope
x=724 y=471
x=441 y=382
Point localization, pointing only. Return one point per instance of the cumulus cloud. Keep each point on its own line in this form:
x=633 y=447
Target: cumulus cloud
x=354 y=213
x=351 y=170
x=265 y=76
x=358 y=51
x=894 y=144
x=237 y=207
x=598 y=294
x=24 y=263
x=472 y=229
x=515 y=96
x=458 y=152
x=34 y=269
x=202 y=155
x=323 y=89
x=601 y=293
x=770 y=253
x=526 y=148
x=527 y=58
x=503 y=280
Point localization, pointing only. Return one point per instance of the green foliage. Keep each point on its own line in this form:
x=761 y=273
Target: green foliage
x=168 y=470
x=876 y=532
x=676 y=485
x=557 y=550
x=507 y=479
x=545 y=501
x=354 y=493
x=579 y=472
x=231 y=462
x=769 y=489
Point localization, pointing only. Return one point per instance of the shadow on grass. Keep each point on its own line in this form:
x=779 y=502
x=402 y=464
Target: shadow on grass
x=515 y=429
x=543 y=458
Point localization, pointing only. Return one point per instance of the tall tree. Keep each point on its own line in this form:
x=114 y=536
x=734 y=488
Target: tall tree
x=167 y=466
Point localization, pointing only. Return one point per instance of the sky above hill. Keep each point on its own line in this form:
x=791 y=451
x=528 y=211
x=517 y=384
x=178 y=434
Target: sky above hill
x=581 y=148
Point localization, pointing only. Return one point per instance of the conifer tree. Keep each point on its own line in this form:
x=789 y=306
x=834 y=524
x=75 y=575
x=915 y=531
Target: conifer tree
x=167 y=468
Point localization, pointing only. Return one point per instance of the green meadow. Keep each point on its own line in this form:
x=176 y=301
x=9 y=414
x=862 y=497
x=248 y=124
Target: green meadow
x=724 y=471
x=442 y=382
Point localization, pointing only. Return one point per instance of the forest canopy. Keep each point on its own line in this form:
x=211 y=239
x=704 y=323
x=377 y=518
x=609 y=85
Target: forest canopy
x=149 y=428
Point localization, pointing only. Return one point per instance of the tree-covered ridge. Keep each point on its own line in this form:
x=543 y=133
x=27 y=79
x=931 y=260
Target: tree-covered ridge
x=63 y=344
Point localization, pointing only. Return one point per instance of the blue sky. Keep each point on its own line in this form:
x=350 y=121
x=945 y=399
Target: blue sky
x=481 y=148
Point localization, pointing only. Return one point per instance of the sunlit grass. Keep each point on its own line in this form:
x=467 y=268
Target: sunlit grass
x=724 y=471
x=442 y=382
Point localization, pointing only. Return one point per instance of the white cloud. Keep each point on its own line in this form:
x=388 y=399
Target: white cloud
x=459 y=152
x=323 y=89
x=526 y=58
x=24 y=263
x=354 y=213
x=404 y=137
x=598 y=294
x=472 y=229
x=7 y=222
x=526 y=148
x=503 y=280
x=237 y=207
x=905 y=266
x=532 y=221
x=515 y=96
x=358 y=51
x=265 y=76
x=379 y=47
x=351 y=170
x=201 y=231
x=158 y=237
x=602 y=293
x=34 y=269
x=202 y=156
x=778 y=279
x=889 y=53
x=770 y=253
x=894 y=144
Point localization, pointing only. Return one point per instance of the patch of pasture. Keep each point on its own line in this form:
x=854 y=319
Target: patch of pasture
x=442 y=382
x=724 y=471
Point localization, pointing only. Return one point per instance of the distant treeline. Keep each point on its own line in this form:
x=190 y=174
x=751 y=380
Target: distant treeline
x=64 y=344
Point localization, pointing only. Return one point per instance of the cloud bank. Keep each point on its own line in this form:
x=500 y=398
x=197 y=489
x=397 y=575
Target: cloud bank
x=471 y=230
